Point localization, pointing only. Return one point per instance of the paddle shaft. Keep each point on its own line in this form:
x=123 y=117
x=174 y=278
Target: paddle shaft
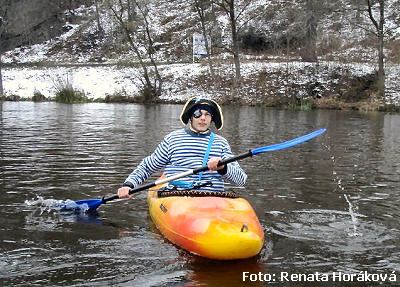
x=94 y=204
x=180 y=175
x=256 y=151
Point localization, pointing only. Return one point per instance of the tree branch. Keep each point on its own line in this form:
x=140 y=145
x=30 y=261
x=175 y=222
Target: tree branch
x=391 y=29
x=371 y=16
x=363 y=28
x=222 y=5
x=242 y=10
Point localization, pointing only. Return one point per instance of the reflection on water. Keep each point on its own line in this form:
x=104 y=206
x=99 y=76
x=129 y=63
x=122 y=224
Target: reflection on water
x=328 y=205
x=212 y=273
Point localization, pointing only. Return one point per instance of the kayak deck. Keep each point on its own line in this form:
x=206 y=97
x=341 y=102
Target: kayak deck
x=212 y=227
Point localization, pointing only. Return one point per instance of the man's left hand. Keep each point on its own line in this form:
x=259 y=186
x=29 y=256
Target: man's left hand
x=213 y=164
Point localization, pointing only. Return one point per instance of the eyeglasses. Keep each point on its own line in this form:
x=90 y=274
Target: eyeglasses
x=197 y=114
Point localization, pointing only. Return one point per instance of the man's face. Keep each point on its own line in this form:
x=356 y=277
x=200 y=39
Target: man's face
x=201 y=120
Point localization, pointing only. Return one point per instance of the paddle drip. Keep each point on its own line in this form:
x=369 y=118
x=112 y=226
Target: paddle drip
x=49 y=205
x=352 y=208
x=353 y=218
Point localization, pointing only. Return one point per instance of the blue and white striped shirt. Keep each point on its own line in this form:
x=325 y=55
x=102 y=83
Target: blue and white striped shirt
x=183 y=150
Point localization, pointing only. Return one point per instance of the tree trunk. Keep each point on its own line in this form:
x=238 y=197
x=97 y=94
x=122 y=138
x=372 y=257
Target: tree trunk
x=201 y=13
x=210 y=62
x=308 y=53
x=152 y=84
x=381 y=56
x=1 y=75
x=1 y=52
x=235 y=50
x=228 y=6
x=131 y=11
x=379 y=26
x=156 y=87
x=235 y=43
x=99 y=28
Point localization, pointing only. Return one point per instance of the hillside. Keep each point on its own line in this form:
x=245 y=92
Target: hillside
x=273 y=43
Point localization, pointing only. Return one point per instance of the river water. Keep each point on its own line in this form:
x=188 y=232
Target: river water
x=329 y=206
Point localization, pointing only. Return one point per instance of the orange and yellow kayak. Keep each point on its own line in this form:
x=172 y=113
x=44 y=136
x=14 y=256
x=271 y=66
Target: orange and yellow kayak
x=213 y=227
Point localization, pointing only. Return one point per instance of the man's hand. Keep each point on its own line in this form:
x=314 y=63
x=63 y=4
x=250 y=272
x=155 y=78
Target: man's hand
x=213 y=164
x=123 y=192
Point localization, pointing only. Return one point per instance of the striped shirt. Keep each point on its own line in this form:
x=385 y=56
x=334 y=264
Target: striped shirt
x=183 y=150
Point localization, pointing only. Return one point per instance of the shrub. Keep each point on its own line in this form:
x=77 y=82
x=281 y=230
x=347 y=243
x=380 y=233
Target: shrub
x=392 y=108
x=66 y=93
x=38 y=96
x=301 y=104
x=71 y=96
x=13 y=98
x=307 y=104
x=147 y=95
x=118 y=98
x=360 y=88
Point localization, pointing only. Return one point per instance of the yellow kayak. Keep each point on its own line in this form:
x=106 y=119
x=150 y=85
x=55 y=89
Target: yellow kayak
x=213 y=227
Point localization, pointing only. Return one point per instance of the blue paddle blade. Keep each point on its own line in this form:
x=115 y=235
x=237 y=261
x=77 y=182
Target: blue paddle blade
x=89 y=204
x=289 y=143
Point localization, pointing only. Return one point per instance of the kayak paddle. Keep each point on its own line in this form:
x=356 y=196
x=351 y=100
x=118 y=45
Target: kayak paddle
x=93 y=204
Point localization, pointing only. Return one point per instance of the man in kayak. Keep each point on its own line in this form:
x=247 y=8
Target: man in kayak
x=189 y=148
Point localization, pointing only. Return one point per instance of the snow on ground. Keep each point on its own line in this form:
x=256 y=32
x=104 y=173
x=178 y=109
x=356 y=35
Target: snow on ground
x=96 y=82
x=102 y=80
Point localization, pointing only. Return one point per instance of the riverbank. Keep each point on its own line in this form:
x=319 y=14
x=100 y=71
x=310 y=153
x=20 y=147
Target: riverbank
x=271 y=83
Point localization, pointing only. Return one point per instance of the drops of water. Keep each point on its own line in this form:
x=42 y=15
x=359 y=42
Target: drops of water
x=353 y=218
x=352 y=208
x=51 y=205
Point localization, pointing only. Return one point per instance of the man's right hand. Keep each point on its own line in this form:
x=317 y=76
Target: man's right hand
x=123 y=192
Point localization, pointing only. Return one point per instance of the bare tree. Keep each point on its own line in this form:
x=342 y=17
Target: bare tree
x=1 y=75
x=131 y=10
x=378 y=12
x=201 y=9
x=380 y=34
x=100 y=29
x=308 y=53
x=314 y=12
x=234 y=9
x=228 y=6
x=4 y=9
x=139 y=36
x=2 y=26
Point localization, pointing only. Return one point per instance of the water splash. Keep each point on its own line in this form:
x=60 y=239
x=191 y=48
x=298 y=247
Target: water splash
x=51 y=205
x=330 y=230
x=354 y=219
x=352 y=208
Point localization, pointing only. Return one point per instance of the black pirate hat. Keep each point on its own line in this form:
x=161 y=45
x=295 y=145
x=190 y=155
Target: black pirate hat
x=195 y=103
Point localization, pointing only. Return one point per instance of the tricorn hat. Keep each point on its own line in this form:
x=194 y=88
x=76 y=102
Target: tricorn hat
x=193 y=103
